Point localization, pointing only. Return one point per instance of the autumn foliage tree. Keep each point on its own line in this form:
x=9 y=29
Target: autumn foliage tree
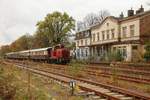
x=22 y=43
x=56 y=27
x=4 y=49
x=40 y=40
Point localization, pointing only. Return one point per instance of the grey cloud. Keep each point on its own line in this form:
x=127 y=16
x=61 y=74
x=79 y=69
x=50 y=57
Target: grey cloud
x=18 y=17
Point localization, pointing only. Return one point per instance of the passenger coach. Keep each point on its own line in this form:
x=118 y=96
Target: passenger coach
x=56 y=54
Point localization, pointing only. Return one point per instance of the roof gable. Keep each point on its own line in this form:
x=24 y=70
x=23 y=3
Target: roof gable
x=107 y=19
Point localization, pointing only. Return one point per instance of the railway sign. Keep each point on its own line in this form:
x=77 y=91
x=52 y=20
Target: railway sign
x=72 y=85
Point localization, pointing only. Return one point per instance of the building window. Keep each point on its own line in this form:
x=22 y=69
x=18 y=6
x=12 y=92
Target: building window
x=124 y=52
x=93 y=37
x=78 y=52
x=87 y=34
x=103 y=35
x=132 y=27
x=77 y=35
x=82 y=53
x=114 y=49
x=108 y=34
x=98 y=36
x=124 y=32
x=85 y=41
x=81 y=42
x=107 y=24
x=135 y=47
x=98 y=51
x=113 y=33
x=86 y=52
x=77 y=43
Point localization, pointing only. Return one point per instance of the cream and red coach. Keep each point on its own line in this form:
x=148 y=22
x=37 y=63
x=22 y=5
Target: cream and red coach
x=56 y=54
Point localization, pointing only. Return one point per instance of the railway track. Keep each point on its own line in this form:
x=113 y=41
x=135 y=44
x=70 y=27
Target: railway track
x=130 y=70
x=127 y=75
x=108 y=74
x=106 y=91
x=138 y=68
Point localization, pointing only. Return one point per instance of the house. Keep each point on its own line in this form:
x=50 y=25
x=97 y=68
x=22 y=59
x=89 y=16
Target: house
x=124 y=34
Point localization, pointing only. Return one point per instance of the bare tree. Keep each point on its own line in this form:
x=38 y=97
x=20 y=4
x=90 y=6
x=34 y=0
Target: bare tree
x=80 y=25
x=90 y=19
x=95 y=18
x=102 y=15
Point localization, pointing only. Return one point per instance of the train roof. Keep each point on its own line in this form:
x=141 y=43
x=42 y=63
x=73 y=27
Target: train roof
x=40 y=49
x=32 y=50
x=10 y=53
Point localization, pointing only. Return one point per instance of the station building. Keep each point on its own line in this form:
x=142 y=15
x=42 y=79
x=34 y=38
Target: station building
x=126 y=34
x=83 y=42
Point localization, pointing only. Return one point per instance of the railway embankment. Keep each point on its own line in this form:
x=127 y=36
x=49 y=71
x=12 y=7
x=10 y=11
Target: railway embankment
x=20 y=84
x=84 y=74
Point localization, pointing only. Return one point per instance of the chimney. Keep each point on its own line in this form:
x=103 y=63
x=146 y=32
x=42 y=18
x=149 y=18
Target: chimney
x=130 y=12
x=140 y=10
x=121 y=15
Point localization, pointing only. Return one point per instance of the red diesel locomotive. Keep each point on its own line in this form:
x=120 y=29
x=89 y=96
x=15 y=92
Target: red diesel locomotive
x=56 y=54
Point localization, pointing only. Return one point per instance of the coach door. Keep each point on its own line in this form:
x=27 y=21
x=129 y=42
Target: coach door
x=49 y=52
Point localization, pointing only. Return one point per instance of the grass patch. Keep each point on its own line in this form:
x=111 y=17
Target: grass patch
x=75 y=68
x=41 y=88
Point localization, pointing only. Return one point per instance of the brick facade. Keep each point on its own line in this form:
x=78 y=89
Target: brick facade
x=145 y=28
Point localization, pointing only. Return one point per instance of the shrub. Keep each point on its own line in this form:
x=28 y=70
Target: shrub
x=7 y=90
x=114 y=72
x=75 y=67
x=114 y=56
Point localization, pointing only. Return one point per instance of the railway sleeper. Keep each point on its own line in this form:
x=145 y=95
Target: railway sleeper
x=85 y=93
x=98 y=98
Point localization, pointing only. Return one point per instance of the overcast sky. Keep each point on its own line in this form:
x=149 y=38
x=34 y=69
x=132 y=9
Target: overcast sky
x=18 y=17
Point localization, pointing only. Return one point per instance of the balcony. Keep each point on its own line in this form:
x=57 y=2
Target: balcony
x=130 y=38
